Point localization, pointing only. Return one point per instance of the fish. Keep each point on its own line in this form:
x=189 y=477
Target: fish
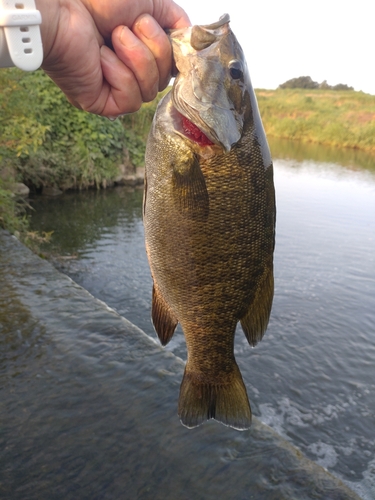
x=209 y=219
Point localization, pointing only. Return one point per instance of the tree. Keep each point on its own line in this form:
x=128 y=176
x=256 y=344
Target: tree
x=306 y=82
x=302 y=82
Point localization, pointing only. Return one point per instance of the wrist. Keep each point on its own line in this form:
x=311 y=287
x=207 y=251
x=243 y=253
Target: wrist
x=50 y=11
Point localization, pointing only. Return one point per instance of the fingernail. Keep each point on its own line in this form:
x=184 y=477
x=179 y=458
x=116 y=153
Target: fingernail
x=127 y=38
x=149 y=27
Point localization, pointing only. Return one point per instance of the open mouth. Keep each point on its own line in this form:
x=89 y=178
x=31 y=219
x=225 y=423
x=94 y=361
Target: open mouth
x=193 y=133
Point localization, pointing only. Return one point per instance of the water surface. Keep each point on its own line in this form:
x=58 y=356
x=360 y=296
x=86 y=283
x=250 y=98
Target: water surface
x=312 y=376
x=88 y=408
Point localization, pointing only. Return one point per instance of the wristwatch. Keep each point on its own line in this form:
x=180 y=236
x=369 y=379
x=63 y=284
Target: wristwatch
x=20 y=39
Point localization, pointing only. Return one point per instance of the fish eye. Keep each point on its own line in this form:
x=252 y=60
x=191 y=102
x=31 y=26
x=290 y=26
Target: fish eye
x=236 y=70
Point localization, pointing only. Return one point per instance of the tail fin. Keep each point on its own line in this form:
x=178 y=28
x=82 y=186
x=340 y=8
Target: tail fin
x=227 y=403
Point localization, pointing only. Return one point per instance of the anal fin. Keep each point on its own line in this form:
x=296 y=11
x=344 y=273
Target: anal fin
x=163 y=319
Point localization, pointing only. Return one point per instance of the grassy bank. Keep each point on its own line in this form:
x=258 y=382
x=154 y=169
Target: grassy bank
x=335 y=118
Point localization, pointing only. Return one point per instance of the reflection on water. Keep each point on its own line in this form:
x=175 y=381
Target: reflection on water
x=353 y=159
x=312 y=376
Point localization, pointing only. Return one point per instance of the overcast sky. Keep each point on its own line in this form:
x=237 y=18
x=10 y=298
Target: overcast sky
x=326 y=39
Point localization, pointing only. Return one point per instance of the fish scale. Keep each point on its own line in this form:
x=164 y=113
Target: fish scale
x=209 y=217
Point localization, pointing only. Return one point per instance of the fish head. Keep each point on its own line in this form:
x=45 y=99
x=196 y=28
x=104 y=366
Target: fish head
x=212 y=81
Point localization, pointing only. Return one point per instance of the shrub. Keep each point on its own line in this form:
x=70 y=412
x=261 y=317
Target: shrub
x=49 y=141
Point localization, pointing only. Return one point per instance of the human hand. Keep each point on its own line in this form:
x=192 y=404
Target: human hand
x=76 y=37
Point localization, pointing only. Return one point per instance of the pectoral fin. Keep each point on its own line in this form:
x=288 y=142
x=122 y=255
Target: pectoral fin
x=163 y=319
x=255 y=321
x=189 y=188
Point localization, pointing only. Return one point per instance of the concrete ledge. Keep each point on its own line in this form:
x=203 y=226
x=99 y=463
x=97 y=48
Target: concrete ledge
x=89 y=401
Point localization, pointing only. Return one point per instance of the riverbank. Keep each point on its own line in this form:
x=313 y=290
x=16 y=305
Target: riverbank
x=342 y=119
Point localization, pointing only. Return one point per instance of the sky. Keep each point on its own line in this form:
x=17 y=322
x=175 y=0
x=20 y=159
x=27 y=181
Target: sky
x=282 y=39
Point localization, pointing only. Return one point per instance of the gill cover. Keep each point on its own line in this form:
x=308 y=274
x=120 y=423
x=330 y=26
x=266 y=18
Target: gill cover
x=212 y=81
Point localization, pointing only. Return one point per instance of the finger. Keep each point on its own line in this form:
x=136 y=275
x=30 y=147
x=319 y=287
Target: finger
x=120 y=92
x=155 y=38
x=170 y=15
x=139 y=59
x=109 y=15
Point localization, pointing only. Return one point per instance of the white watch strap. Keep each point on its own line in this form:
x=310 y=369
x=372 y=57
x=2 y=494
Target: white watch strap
x=20 y=39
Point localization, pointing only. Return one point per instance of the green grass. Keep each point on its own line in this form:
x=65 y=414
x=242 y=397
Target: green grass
x=344 y=119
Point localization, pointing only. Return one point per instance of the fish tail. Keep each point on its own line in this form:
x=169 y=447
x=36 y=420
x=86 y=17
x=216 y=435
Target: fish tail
x=225 y=402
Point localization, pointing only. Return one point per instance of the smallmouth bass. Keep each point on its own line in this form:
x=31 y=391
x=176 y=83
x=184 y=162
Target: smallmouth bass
x=209 y=218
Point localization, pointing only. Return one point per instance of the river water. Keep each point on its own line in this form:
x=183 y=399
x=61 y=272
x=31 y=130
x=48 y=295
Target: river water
x=312 y=376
